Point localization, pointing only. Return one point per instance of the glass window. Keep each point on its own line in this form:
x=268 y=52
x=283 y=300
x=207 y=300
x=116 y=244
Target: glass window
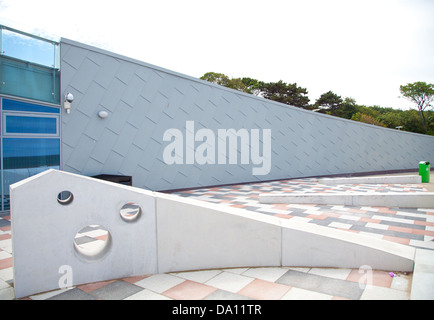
x=31 y=153
x=13 y=105
x=25 y=157
x=31 y=125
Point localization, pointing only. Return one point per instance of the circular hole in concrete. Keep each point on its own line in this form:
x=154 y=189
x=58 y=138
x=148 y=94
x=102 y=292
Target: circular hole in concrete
x=130 y=212
x=92 y=242
x=65 y=197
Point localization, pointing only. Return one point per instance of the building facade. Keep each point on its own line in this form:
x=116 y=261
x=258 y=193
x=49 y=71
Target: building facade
x=167 y=130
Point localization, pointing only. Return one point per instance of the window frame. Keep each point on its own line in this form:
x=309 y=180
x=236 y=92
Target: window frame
x=5 y=133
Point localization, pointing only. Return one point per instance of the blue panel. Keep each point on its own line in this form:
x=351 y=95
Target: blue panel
x=24 y=157
x=34 y=125
x=13 y=105
x=30 y=153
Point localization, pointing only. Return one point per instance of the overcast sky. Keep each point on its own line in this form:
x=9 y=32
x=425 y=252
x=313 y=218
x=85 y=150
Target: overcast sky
x=362 y=49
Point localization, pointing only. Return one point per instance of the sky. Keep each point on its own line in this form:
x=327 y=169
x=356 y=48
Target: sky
x=363 y=49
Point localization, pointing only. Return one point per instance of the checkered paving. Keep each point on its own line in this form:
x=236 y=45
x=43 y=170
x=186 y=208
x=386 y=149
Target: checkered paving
x=410 y=226
x=245 y=284
x=414 y=226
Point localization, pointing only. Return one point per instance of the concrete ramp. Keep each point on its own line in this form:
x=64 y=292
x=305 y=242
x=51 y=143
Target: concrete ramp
x=149 y=232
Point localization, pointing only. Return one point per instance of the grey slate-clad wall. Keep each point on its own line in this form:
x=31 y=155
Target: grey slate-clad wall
x=144 y=101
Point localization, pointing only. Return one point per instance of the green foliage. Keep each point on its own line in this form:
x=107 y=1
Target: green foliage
x=422 y=94
x=286 y=93
x=418 y=121
x=253 y=86
x=329 y=101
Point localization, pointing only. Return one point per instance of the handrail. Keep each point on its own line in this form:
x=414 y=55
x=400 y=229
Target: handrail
x=3 y=27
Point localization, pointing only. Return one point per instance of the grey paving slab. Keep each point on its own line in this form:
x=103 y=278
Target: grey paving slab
x=312 y=282
x=73 y=294
x=117 y=290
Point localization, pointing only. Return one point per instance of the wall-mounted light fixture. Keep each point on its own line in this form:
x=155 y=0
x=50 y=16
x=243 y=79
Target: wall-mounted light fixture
x=103 y=114
x=67 y=102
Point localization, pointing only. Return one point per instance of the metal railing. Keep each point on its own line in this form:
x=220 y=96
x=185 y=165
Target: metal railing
x=30 y=48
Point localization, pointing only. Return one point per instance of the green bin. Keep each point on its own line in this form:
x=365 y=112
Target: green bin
x=424 y=169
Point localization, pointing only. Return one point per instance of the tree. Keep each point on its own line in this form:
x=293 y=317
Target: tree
x=329 y=101
x=346 y=109
x=278 y=91
x=217 y=78
x=223 y=80
x=253 y=86
x=366 y=118
x=286 y=93
x=422 y=94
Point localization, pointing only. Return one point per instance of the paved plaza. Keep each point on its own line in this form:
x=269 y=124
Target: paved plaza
x=408 y=226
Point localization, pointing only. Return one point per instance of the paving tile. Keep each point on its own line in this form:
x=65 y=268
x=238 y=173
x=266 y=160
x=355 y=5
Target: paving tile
x=7 y=293
x=4 y=255
x=89 y=287
x=397 y=240
x=7 y=274
x=264 y=290
x=381 y=293
x=5 y=236
x=159 y=282
x=236 y=270
x=135 y=279
x=229 y=281
x=371 y=277
x=49 y=294
x=4 y=223
x=73 y=294
x=335 y=273
x=6 y=263
x=267 y=274
x=402 y=282
x=333 y=287
x=225 y=295
x=116 y=290
x=146 y=294
x=340 y=288
x=302 y=294
x=340 y=225
x=201 y=276
x=189 y=290
x=299 y=279
x=3 y=284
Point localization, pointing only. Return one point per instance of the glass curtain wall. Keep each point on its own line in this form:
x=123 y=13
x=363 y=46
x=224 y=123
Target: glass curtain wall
x=30 y=142
x=29 y=107
x=29 y=66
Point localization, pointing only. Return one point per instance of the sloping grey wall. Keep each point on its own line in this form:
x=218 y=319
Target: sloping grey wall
x=144 y=101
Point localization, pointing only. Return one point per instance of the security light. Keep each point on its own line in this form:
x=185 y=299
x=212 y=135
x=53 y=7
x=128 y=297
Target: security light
x=69 y=97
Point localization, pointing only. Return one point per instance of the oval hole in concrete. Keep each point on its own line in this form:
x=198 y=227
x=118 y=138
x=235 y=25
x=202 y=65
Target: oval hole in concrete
x=65 y=197
x=92 y=242
x=130 y=212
